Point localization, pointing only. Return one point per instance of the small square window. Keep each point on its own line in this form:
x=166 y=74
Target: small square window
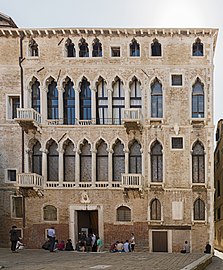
x=177 y=143
x=17 y=211
x=13 y=102
x=11 y=175
x=176 y=80
x=115 y=52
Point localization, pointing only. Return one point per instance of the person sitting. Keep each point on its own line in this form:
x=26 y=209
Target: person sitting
x=186 y=248
x=61 y=245
x=207 y=248
x=113 y=247
x=19 y=244
x=69 y=246
x=126 y=246
x=119 y=246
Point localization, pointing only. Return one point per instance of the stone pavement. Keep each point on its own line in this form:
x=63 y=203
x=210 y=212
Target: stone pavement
x=217 y=261
x=28 y=259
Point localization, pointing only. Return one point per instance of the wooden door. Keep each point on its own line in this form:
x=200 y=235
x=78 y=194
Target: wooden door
x=159 y=241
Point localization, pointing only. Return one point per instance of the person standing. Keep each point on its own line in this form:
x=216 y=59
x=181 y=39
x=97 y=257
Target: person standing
x=99 y=244
x=51 y=235
x=132 y=242
x=13 y=238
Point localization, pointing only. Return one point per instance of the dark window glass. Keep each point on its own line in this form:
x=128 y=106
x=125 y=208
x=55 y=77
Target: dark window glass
x=198 y=48
x=177 y=80
x=156 y=48
x=97 y=48
x=156 y=162
x=118 y=161
x=69 y=103
x=33 y=46
x=218 y=188
x=17 y=210
x=156 y=99
x=52 y=100
x=198 y=167
x=199 y=210
x=135 y=94
x=102 y=162
x=69 y=161
x=123 y=214
x=134 y=48
x=155 y=210
x=85 y=101
x=85 y=163
x=135 y=158
x=12 y=175
x=52 y=162
x=115 y=52
x=70 y=48
x=37 y=159
x=118 y=102
x=83 y=48
x=15 y=105
x=101 y=103
x=198 y=100
x=177 y=143
x=36 y=96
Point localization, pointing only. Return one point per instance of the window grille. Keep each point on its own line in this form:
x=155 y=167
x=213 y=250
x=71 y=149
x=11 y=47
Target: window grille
x=177 y=80
x=177 y=143
x=155 y=48
x=198 y=166
x=198 y=48
x=156 y=162
x=115 y=52
x=156 y=99
x=123 y=214
x=199 y=210
x=155 y=210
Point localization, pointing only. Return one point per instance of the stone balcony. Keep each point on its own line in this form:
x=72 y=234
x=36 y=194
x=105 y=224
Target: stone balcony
x=28 y=119
x=29 y=180
x=132 y=181
x=132 y=119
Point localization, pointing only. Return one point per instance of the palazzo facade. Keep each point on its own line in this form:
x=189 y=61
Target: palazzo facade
x=108 y=131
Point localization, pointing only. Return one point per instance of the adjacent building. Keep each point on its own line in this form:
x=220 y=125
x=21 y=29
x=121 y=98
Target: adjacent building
x=108 y=131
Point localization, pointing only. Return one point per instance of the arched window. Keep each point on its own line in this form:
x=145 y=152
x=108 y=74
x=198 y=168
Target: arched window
x=70 y=48
x=198 y=48
x=102 y=162
x=198 y=167
x=69 y=103
x=83 y=48
x=52 y=162
x=37 y=159
x=156 y=99
x=33 y=48
x=155 y=48
x=134 y=48
x=198 y=99
x=52 y=100
x=135 y=94
x=156 y=162
x=102 y=103
x=85 y=100
x=97 y=48
x=36 y=96
x=118 y=161
x=69 y=161
x=135 y=158
x=85 y=162
x=50 y=213
x=118 y=102
x=199 y=209
x=155 y=210
x=123 y=214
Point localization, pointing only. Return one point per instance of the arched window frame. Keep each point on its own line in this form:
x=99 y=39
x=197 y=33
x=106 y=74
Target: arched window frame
x=70 y=48
x=135 y=158
x=156 y=48
x=83 y=48
x=85 y=162
x=33 y=48
x=36 y=158
x=198 y=48
x=135 y=94
x=96 y=48
x=35 y=96
x=198 y=100
x=123 y=214
x=198 y=164
x=118 y=158
x=55 y=214
x=156 y=162
x=52 y=161
x=52 y=101
x=199 y=210
x=118 y=102
x=134 y=48
x=69 y=103
x=102 y=103
x=102 y=158
x=85 y=100
x=155 y=205
x=69 y=161
x=156 y=99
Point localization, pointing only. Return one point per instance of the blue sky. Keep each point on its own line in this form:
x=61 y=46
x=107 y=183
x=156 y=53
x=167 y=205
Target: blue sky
x=126 y=13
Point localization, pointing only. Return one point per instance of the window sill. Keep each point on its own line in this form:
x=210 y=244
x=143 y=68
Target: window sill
x=123 y=223
x=198 y=186
x=198 y=121
x=32 y=57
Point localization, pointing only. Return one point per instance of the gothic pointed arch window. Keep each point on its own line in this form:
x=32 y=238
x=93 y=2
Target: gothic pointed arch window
x=37 y=158
x=49 y=213
x=33 y=48
x=123 y=214
x=156 y=162
x=134 y=48
x=102 y=103
x=52 y=100
x=156 y=48
x=36 y=96
x=199 y=209
x=155 y=210
x=69 y=102
x=135 y=158
x=85 y=162
x=70 y=49
x=118 y=102
x=118 y=161
x=156 y=99
x=69 y=161
x=135 y=94
x=52 y=161
x=102 y=162
x=198 y=163
x=83 y=48
x=197 y=48
x=198 y=99
x=85 y=100
x=97 y=48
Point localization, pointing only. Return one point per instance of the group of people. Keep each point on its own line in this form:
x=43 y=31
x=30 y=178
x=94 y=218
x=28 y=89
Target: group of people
x=186 y=248
x=127 y=246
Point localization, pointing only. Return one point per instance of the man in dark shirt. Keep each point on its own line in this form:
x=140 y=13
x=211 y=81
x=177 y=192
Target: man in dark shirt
x=13 y=238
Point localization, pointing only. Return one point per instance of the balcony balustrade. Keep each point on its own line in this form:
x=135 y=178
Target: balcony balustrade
x=28 y=119
x=132 y=181
x=30 y=180
x=132 y=119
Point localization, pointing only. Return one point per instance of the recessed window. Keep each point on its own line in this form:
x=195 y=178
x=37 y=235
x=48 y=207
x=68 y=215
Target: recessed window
x=17 y=211
x=177 y=143
x=176 y=80
x=13 y=104
x=49 y=213
x=11 y=175
x=115 y=52
x=123 y=214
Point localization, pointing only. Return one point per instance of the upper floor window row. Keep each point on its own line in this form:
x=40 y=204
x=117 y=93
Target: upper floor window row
x=82 y=48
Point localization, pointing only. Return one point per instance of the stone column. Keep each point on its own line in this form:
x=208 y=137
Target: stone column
x=110 y=166
x=126 y=161
x=61 y=167
x=127 y=97
x=27 y=159
x=77 y=103
x=60 y=104
x=93 y=166
x=77 y=168
x=43 y=103
x=44 y=165
x=93 y=104
x=110 y=105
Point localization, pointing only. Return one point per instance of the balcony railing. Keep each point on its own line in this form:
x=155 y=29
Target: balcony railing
x=131 y=180
x=30 y=180
x=132 y=114
x=28 y=114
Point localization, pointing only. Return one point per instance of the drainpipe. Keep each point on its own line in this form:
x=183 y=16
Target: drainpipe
x=23 y=133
